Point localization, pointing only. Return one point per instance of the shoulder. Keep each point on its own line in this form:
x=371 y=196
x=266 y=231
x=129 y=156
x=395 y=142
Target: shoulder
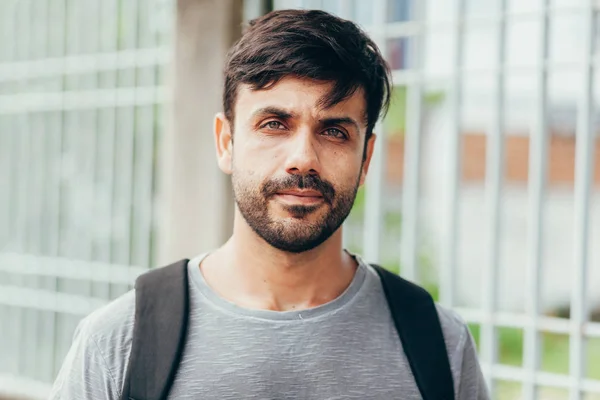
x=108 y=331
x=462 y=354
x=111 y=317
x=455 y=330
x=111 y=329
x=97 y=359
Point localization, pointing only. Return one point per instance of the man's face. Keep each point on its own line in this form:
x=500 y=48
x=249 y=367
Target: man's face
x=296 y=166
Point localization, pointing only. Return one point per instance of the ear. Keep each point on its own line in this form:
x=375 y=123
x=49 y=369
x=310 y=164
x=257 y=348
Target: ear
x=370 y=146
x=224 y=143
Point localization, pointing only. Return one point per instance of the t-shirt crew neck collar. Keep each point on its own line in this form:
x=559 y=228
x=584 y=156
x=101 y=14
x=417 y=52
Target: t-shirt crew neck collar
x=197 y=279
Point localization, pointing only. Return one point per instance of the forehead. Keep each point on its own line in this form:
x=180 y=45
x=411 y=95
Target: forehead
x=303 y=96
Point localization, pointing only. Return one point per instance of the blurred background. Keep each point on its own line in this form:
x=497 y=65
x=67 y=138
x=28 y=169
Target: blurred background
x=485 y=187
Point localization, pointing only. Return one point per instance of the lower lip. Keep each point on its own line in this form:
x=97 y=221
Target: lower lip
x=291 y=199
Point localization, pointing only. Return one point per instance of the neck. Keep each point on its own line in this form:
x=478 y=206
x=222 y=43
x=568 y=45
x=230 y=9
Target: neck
x=251 y=273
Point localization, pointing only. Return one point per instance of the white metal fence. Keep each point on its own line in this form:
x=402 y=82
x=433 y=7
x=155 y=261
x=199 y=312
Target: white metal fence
x=79 y=120
x=80 y=96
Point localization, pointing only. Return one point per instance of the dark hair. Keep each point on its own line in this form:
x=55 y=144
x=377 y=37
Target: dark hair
x=309 y=44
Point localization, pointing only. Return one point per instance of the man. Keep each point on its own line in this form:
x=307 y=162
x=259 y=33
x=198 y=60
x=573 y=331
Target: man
x=281 y=311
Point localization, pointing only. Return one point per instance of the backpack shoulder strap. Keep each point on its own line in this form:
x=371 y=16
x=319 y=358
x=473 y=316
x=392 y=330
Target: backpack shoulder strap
x=161 y=316
x=418 y=325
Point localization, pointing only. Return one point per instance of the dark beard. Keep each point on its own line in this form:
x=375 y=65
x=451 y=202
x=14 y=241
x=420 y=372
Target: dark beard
x=295 y=236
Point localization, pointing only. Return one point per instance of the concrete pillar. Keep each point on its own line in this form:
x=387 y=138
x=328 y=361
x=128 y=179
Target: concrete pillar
x=195 y=199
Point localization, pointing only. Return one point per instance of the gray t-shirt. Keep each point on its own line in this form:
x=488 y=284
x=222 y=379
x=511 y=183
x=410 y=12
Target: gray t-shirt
x=345 y=349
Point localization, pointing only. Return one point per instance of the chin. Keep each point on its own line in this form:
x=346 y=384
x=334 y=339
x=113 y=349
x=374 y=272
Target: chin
x=295 y=247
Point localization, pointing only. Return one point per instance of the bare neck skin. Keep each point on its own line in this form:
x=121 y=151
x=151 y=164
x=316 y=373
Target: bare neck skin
x=250 y=273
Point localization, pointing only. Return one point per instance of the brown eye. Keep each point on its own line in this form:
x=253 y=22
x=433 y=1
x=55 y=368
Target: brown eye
x=273 y=125
x=335 y=133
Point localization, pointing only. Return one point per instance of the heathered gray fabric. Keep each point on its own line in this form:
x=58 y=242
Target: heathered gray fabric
x=345 y=349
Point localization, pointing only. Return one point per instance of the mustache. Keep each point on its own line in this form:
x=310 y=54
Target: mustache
x=290 y=182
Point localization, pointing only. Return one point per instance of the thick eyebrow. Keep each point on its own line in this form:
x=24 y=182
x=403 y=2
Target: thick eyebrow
x=286 y=115
x=340 y=121
x=272 y=111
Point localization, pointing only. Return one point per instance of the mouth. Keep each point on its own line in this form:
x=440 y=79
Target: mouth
x=304 y=197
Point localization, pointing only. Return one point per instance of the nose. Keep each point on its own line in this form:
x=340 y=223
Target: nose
x=303 y=158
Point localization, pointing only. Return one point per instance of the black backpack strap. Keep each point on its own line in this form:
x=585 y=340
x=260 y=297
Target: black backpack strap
x=161 y=316
x=420 y=331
